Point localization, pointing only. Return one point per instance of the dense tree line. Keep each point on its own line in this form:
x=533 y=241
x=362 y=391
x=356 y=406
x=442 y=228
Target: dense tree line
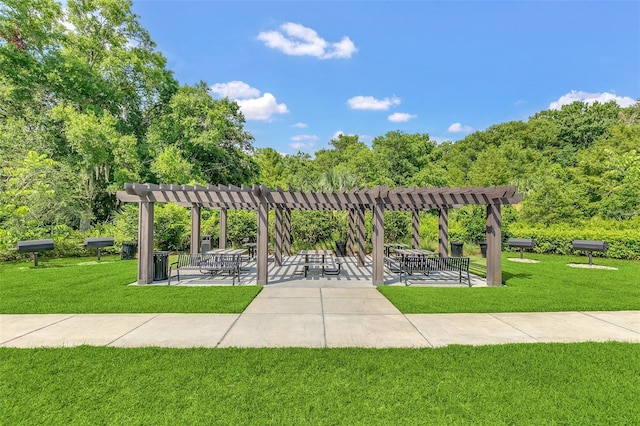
x=87 y=103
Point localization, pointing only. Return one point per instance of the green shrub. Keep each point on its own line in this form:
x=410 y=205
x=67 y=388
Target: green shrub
x=172 y=227
x=210 y=223
x=312 y=227
x=124 y=226
x=396 y=225
x=473 y=223
x=241 y=224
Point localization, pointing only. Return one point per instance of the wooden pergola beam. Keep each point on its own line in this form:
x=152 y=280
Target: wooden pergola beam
x=246 y=198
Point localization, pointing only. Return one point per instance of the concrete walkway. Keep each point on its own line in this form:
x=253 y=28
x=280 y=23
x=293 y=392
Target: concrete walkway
x=316 y=317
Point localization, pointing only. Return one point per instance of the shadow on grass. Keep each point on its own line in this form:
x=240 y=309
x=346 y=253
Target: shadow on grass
x=42 y=266
x=506 y=276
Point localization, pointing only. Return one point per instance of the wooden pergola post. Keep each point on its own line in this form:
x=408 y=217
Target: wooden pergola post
x=378 y=243
x=351 y=223
x=443 y=232
x=277 y=255
x=195 y=229
x=222 y=241
x=145 y=242
x=415 y=228
x=494 y=245
x=287 y=232
x=361 y=232
x=262 y=250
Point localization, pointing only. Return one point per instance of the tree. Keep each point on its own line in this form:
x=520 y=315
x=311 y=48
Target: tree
x=208 y=134
x=35 y=196
x=580 y=124
x=402 y=155
x=554 y=198
x=271 y=166
x=300 y=173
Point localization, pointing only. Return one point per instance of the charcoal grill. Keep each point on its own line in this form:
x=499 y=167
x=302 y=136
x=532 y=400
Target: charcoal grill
x=590 y=246
x=521 y=243
x=34 y=246
x=98 y=243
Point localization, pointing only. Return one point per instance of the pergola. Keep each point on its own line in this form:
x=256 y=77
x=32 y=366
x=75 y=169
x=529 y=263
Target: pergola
x=355 y=202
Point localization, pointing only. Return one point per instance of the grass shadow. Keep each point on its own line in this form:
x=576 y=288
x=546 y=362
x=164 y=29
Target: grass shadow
x=506 y=276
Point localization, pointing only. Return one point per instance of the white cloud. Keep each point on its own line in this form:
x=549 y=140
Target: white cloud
x=400 y=117
x=590 y=98
x=235 y=90
x=336 y=135
x=298 y=40
x=299 y=138
x=301 y=142
x=261 y=108
x=299 y=125
x=371 y=103
x=459 y=128
x=252 y=104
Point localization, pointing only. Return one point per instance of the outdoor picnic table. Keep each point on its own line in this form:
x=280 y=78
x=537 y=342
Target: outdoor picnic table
x=252 y=249
x=227 y=251
x=395 y=246
x=322 y=254
x=404 y=253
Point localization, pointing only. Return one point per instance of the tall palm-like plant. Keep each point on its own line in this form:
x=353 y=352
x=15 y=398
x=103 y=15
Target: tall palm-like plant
x=336 y=180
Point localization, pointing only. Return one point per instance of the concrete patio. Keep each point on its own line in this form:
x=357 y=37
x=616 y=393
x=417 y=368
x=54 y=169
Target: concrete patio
x=351 y=276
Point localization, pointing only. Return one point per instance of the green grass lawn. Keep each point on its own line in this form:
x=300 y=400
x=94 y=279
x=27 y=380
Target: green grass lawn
x=84 y=285
x=581 y=384
x=547 y=286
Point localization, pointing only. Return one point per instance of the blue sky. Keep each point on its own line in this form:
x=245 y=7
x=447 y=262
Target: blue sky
x=304 y=71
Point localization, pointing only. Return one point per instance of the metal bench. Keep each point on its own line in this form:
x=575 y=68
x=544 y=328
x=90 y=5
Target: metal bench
x=207 y=264
x=589 y=247
x=327 y=267
x=521 y=243
x=437 y=268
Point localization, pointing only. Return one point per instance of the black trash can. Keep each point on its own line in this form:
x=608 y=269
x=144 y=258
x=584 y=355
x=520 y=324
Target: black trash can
x=341 y=248
x=205 y=244
x=129 y=250
x=160 y=265
x=483 y=248
x=456 y=248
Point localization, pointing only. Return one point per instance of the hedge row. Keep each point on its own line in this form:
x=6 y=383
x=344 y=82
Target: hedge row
x=555 y=239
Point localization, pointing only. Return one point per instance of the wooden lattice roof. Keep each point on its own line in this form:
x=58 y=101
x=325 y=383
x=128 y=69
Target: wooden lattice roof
x=244 y=197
